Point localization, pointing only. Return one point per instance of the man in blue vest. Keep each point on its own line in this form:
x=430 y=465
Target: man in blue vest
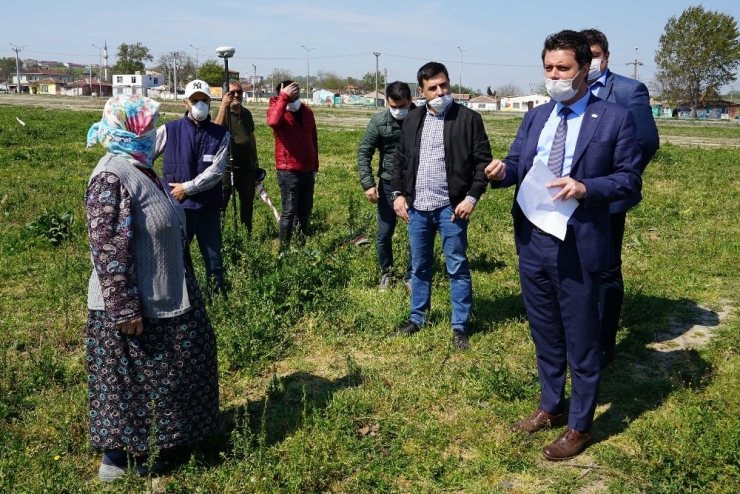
x=194 y=156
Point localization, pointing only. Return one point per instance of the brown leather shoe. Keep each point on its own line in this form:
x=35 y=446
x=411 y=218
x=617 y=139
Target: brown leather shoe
x=570 y=444
x=538 y=421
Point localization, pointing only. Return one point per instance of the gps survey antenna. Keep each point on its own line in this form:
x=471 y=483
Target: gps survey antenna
x=226 y=52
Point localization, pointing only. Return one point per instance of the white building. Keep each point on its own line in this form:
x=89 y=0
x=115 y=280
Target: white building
x=523 y=103
x=135 y=83
x=483 y=103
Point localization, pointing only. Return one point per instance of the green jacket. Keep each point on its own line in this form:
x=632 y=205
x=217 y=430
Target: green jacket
x=383 y=133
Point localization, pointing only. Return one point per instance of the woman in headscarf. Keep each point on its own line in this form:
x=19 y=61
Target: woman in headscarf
x=151 y=350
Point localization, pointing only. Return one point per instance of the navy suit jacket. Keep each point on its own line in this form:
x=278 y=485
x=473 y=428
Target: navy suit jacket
x=633 y=95
x=606 y=161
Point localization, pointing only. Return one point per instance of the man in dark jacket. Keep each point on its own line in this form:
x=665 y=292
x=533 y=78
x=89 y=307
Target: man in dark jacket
x=383 y=133
x=632 y=95
x=438 y=177
x=296 y=157
x=194 y=155
x=244 y=153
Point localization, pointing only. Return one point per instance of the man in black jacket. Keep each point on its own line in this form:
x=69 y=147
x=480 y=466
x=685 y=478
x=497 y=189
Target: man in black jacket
x=438 y=177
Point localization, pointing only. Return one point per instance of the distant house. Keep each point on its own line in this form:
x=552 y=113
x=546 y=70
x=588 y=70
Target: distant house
x=380 y=97
x=135 y=83
x=36 y=75
x=86 y=87
x=463 y=99
x=523 y=103
x=483 y=103
x=708 y=109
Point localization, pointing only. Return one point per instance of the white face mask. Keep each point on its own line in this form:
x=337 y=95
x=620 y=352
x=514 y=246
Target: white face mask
x=399 y=113
x=561 y=89
x=199 y=110
x=440 y=103
x=594 y=71
x=294 y=106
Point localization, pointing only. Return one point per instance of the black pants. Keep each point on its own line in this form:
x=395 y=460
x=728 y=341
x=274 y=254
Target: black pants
x=296 y=191
x=244 y=185
x=611 y=291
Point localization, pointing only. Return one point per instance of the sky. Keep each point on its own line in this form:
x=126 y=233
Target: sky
x=501 y=41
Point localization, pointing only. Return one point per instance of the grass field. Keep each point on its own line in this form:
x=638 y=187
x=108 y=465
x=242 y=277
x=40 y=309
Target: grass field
x=317 y=398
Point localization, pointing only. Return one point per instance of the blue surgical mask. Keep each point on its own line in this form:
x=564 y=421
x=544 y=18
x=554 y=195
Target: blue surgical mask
x=199 y=110
x=294 y=106
x=399 y=113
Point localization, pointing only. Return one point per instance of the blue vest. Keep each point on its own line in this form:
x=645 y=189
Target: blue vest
x=186 y=146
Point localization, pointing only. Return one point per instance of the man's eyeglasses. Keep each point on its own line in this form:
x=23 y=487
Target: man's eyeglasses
x=236 y=93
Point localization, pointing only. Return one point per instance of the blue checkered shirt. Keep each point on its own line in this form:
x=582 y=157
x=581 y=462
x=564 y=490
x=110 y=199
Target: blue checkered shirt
x=432 y=191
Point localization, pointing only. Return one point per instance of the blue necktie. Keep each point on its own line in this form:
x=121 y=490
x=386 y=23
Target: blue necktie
x=557 y=151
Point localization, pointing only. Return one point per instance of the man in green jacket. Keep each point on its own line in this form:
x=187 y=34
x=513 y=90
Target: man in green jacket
x=383 y=133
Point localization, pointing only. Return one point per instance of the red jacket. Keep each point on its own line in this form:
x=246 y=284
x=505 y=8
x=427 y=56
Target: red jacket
x=296 y=145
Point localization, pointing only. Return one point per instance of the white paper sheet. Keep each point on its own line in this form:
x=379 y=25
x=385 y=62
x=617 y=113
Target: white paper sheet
x=536 y=202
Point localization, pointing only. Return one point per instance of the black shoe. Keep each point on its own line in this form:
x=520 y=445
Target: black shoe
x=408 y=329
x=460 y=340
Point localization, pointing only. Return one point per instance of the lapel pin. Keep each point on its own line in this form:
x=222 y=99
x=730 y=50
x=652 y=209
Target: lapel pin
x=593 y=115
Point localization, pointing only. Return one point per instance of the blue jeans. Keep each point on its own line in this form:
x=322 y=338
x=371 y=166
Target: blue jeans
x=386 y=227
x=423 y=227
x=205 y=224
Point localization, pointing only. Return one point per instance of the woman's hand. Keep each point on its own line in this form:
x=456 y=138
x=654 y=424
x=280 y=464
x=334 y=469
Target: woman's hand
x=131 y=328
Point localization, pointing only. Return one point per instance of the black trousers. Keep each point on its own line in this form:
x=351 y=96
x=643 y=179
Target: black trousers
x=612 y=291
x=244 y=185
x=296 y=191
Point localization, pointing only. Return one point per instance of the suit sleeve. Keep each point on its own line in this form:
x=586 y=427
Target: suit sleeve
x=370 y=142
x=481 y=157
x=625 y=179
x=647 y=132
x=512 y=159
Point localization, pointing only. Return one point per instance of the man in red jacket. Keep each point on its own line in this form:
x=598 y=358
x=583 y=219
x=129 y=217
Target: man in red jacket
x=296 y=157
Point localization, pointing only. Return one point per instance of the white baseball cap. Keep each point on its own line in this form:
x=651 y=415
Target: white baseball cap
x=197 y=86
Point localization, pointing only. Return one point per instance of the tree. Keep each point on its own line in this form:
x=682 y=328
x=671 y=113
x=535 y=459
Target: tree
x=698 y=52
x=367 y=83
x=130 y=58
x=330 y=80
x=279 y=75
x=508 y=90
x=538 y=88
x=212 y=72
x=489 y=92
x=7 y=68
x=186 y=69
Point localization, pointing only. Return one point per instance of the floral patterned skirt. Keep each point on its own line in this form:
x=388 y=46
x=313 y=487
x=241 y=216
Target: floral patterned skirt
x=160 y=385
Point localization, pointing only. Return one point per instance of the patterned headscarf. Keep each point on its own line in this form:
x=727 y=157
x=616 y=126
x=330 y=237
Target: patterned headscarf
x=128 y=127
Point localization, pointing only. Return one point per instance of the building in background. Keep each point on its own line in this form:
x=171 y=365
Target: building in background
x=483 y=103
x=137 y=83
x=523 y=103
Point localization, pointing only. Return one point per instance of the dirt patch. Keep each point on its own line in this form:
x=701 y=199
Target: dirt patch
x=680 y=336
x=700 y=142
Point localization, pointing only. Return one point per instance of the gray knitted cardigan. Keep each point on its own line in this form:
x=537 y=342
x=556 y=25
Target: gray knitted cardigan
x=157 y=219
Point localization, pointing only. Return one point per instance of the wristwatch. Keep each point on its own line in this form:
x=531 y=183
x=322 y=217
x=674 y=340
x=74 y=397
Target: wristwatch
x=396 y=194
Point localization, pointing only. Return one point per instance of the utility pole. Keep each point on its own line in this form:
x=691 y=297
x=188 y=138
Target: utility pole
x=254 y=84
x=174 y=70
x=308 y=66
x=90 y=80
x=459 y=87
x=100 y=63
x=197 y=49
x=377 y=55
x=105 y=57
x=634 y=64
x=17 y=50
x=385 y=88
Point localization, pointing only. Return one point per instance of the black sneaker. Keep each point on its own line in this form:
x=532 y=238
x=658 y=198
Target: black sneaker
x=408 y=329
x=460 y=340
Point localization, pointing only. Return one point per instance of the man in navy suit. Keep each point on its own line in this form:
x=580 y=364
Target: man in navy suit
x=632 y=95
x=590 y=146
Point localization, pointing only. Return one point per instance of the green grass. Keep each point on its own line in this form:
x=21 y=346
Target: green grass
x=317 y=398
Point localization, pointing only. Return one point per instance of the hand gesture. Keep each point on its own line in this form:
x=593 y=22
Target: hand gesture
x=496 y=171
x=131 y=328
x=571 y=188
x=291 y=90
